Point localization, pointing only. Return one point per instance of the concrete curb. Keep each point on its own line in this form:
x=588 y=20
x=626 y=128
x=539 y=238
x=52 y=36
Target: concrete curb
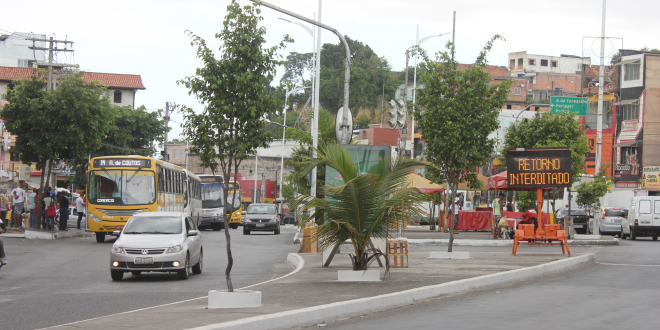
x=501 y=242
x=38 y=234
x=352 y=308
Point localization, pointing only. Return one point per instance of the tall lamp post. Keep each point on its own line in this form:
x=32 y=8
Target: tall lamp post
x=417 y=43
x=286 y=99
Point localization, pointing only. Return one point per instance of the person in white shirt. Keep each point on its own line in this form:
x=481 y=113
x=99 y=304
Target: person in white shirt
x=457 y=207
x=80 y=209
x=18 y=198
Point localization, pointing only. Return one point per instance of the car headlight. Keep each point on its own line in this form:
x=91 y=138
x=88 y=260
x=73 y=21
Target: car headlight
x=175 y=249
x=117 y=249
x=95 y=218
x=273 y=220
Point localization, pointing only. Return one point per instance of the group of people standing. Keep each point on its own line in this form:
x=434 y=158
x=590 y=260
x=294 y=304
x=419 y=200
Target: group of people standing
x=20 y=202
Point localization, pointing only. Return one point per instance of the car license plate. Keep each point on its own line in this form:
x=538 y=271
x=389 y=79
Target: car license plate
x=120 y=227
x=578 y=226
x=143 y=261
x=617 y=221
x=261 y=225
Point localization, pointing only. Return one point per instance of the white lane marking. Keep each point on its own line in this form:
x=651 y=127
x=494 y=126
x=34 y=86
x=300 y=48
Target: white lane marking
x=610 y=264
x=300 y=266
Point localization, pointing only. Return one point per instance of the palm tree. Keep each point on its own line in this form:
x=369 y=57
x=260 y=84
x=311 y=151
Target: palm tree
x=366 y=205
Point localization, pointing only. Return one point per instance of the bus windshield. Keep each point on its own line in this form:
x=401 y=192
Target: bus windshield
x=212 y=195
x=122 y=187
x=231 y=207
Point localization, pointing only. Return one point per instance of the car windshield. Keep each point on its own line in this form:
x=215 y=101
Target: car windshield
x=261 y=209
x=212 y=195
x=616 y=212
x=122 y=187
x=153 y=225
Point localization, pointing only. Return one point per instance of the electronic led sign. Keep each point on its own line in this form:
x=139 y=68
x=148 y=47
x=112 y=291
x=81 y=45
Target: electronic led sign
x=122 y=162
x=539 y=168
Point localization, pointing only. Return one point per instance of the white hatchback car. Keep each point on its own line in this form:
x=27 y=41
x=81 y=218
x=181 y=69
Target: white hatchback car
x=157 y=242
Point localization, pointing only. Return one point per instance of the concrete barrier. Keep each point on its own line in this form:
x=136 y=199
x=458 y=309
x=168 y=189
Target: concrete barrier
x=357 y=307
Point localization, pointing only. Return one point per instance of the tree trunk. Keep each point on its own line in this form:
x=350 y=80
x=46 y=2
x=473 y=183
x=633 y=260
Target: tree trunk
x=451 y=218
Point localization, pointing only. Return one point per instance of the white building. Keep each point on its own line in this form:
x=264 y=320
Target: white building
x=121 y=87
x=15 y=51
x=521 y=62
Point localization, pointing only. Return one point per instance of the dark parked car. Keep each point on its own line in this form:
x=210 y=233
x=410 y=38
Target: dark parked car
x=580 y=219
x=261 y=217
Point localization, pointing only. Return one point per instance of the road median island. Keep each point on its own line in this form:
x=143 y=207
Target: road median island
x=313 y=294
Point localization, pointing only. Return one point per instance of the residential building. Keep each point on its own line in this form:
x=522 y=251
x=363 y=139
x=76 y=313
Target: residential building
x=522 y=62
x=15 y=51
x=637 y=117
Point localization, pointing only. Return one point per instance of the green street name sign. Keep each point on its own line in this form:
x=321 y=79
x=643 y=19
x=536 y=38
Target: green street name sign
x=574 y=105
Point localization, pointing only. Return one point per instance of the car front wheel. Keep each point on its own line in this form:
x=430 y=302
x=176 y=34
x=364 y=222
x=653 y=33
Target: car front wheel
x=185 y=272
x=197 y=269
x=116 y=275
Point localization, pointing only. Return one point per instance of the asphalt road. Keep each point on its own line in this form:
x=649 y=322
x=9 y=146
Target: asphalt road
x=620 y=291
x=48 y=283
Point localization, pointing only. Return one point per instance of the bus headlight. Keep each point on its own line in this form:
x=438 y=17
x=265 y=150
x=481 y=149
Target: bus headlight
x=175 y=249
x=95 y=218
x=117 y=249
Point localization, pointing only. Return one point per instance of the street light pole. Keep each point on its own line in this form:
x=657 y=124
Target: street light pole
x=286 y=99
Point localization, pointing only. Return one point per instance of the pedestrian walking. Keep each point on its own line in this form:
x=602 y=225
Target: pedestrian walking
x=64 y=211
x=509 y=206
x=497 y=215
x=18 y=200
x=80 y=208
x=33 y=208
x=4 y=207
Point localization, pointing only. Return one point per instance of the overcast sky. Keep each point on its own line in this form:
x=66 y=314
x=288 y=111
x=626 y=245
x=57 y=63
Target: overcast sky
x=146 y=37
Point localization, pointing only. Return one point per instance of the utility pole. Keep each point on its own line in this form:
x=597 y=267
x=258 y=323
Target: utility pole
x=52 y=49
x=315 y=120
x=404 y=129
x=599 y=118
x=453 y=35
x=382 y=107
x=167 y=124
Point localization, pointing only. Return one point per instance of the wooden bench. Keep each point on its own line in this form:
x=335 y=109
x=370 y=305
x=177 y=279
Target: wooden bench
x=544 y=235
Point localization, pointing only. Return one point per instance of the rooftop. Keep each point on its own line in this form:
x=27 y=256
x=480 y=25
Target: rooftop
x=112 y=80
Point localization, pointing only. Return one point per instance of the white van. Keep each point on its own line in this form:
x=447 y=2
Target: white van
x=643 y=218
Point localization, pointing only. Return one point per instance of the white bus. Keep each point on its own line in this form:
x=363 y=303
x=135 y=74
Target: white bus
x=192 y=203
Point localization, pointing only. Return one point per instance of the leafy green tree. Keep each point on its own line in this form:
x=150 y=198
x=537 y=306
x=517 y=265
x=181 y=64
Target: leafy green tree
x=456 y=112
x=65 y=124
x=590 y=193
x=235 y=92
x=363 y=121
x=288 y=193
x=364 y=206
x=133 y=133
x=369 y=73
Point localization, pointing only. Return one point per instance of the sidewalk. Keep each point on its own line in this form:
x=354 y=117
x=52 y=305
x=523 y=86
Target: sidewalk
x=45 y=234
x=316 y=286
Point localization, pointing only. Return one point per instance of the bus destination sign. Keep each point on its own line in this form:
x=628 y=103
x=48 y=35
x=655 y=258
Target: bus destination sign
x=539 y=167
x=210 y=179
x=122 y=162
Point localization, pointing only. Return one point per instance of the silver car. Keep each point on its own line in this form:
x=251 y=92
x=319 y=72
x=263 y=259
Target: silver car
x=610 y=219
x=157 y=242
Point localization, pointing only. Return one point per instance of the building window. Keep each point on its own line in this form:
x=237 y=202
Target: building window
x=517 y=91
x=512 y=64
x=629 y=155
x=22 y=63
x=520 y=62
x=631 y=71
x=544 y=62
x=14 y=157
x=176 y=153
x=364 y=134
x=630 y=111
x=532 y=61
x=117 y=96
x=554 y=64
x=508 y=106
x=169 y=155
